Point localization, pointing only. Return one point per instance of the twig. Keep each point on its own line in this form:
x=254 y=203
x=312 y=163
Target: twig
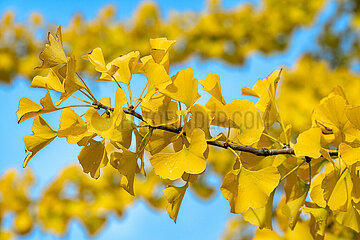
x=225 y=145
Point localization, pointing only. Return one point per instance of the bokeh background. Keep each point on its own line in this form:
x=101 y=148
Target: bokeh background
x=316 y=42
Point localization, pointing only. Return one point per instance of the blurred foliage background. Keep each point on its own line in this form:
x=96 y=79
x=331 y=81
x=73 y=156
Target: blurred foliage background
x=226 y=35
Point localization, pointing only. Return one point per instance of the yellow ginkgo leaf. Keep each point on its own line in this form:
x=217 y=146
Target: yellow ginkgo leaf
x=93 y=157
x=51 y=81
x=105 y=124
x=160 y=110
x=212 y=85
x=308 y=143
x=174 y=195
x=43 y=135
x=265 y=90
x=159 y=50
x=261 y=217
x=123 y=133
x=53 y=53
x=158 y=79
x=28 y=108
x=142 y=65
x=320 y=215
x=158 y=141
x=340 y=196
x=96 y=58
x=246 y=189
x=348 y=154
x=244 y=116
x=350 y=218
x=125 y=162
x=331 y=115
x=296 y=192
x=190 y=160
x=316 y=192
x=126 y=66
x=71 y=82
x=184 y=87
x=218 y=113
x=122 y=68
x=353 y=115
x=200 y=117
x=72 y=126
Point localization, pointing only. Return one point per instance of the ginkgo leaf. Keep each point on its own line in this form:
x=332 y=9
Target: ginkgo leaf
x=350 y=218
x=122 y=68
x=308 y=143
x=244 y=116
x=340 y=195
x=320 y=215
x=28 y=108
x=296 y=192
x=158 y=79
x=261 y=217
x=184 y=87
x=212 y=85
x=159 y=50
x=105 y=124
x=158 y=140
x=125 y=162
x=331 y=115
x=174 y=195
x=96 y=58
x=265 y=90
x=93 y=157
x=190 y=160
x=353 y=115
x=218 y=113
x=53 y=53
x=123 y=133
x=246 y=189
x=72 y=126
x=43 y=135
x=200 y=117
x=348 y=154
x=71 y=82
x=142 y=64
x=160 y=110
x=316 y=191
x=51 y=81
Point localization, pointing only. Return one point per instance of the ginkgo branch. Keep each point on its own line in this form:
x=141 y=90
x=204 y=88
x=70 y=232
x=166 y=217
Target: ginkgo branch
x=225 y=145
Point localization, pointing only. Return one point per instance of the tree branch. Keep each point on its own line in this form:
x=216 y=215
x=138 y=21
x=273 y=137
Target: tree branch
x=256 y=151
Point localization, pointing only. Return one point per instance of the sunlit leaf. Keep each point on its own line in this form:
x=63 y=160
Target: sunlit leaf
x=53 y=53
x=43 y=135
x=51 y=81
x=93 y=157
x=246 y=189
x=189 y=160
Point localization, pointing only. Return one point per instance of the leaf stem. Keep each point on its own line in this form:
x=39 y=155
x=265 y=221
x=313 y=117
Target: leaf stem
x=273 y=139
x=80 y=99
x=129 y=89
x=292 y=170
x=86 y=87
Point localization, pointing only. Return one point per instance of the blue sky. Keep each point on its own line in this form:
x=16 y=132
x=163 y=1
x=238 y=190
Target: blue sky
x=197 y=219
